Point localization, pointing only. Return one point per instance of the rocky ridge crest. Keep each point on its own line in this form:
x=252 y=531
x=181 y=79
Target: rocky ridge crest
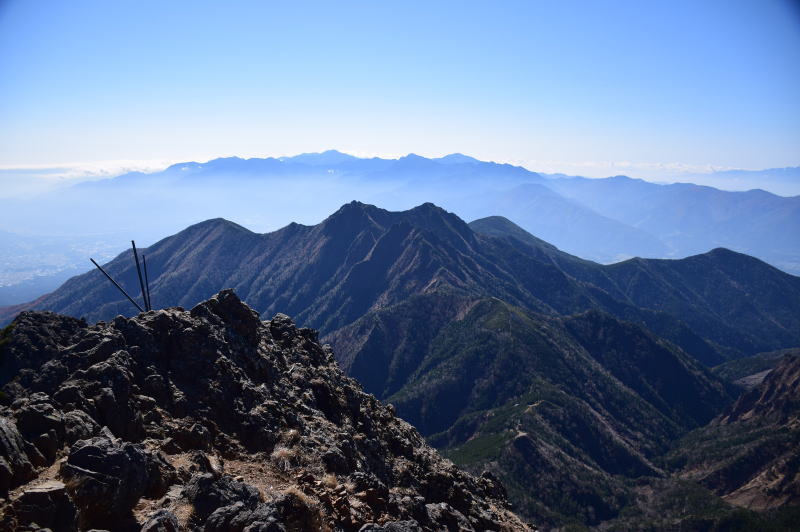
x=211 y=419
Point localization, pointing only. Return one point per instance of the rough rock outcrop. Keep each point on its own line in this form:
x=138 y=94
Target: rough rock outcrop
x=211 y=419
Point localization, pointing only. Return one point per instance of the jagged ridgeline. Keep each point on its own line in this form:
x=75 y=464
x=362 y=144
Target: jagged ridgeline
x=212 y=419
x=715 y=306
x=567 y=379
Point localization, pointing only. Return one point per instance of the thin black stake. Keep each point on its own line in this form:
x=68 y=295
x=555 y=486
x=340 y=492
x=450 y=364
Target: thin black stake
x=118 y=286
x=147 y=283
x=139 y=273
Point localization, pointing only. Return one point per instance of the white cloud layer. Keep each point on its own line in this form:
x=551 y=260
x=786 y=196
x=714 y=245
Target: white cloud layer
x=24 y=180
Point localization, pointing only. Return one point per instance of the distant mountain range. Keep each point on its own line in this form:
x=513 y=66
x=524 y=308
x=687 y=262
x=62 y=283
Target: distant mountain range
x=693 y=218
x=781 y=181
x=567 y=378
x=604 y=220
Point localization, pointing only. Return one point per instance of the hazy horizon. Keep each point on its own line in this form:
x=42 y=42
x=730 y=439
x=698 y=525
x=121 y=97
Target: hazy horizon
x=667 y=92
x=655 y=91
x=23 y=180
x=255 y=254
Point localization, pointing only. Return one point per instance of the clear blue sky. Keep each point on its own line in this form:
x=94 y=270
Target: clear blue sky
x=559 y=83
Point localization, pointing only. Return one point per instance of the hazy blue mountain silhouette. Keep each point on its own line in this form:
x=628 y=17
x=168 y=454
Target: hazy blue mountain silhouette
x=781 y=181
x=556 y=219
x=605 y=220
x=690 y=218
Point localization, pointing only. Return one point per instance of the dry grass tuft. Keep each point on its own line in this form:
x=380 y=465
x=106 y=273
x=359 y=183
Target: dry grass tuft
x=330 y=481
x=306 y=512
x=283 y=457
x=301 y=497
x=291 y=436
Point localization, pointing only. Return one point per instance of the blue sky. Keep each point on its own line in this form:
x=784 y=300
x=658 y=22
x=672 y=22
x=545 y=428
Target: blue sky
x=594 y=88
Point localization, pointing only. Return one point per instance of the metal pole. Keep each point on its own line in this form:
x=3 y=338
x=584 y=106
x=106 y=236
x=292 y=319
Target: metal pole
x=139 y=273
x=147 y=283
x=118 y=286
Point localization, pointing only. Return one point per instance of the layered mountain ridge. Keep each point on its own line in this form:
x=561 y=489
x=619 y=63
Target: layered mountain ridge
x=566 y=378
x=589 y=397
x=605 y=220
x=363 y=258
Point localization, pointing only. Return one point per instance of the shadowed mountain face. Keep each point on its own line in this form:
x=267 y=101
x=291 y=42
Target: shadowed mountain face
x=363 y=258
x=330 y=274
x=433 y=329
x=558 y=407
x=724 y=296
x=563 y=375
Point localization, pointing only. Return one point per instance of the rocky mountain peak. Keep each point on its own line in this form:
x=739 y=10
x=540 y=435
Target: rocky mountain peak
x=353 y=216
x=212 y=419
x=445 y=224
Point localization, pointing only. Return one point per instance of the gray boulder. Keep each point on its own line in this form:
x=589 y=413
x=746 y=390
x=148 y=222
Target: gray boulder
x=208 y=492
x=107 y=477
x=43 y=506
x=161 y=521
x=15 y=466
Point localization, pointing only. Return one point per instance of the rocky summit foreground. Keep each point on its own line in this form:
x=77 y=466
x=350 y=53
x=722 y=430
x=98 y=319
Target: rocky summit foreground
x=211 y=419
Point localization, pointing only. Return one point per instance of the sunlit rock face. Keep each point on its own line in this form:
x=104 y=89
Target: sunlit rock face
x=212 y=419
